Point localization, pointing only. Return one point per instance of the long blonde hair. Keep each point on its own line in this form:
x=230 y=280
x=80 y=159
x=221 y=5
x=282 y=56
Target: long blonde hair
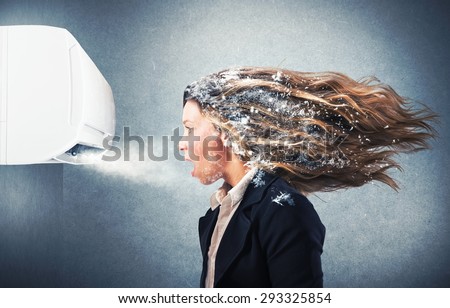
x=319 y=131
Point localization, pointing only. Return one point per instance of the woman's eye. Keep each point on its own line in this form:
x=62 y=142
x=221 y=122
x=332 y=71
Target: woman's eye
x=189 y=129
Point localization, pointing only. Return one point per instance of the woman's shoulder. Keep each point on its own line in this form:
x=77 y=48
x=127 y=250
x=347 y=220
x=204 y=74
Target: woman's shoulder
x=276 y=194
x=282 y=204
x=276 y=189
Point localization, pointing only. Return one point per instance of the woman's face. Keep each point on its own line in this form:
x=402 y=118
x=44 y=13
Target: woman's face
x=202 y=145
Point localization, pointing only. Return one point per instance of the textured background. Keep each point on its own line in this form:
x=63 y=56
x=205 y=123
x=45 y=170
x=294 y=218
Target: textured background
x=135 y=224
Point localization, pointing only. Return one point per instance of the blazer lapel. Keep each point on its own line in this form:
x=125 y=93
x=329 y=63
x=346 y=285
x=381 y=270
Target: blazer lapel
x=235 y=236
x=205 y=229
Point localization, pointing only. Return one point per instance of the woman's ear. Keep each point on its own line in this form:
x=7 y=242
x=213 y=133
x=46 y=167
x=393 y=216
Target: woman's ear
x=222 y=135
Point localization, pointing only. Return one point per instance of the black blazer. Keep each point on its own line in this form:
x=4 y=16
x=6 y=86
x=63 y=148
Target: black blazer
x=274 y=239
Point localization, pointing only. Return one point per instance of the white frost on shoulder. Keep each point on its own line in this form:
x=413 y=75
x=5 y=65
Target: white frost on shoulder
x=283 y=198
x=257 y=180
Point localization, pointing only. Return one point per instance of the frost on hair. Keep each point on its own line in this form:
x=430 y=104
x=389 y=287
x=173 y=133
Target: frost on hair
x=320 y=131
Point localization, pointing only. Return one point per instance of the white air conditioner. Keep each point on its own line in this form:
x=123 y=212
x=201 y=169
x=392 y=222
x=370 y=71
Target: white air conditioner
x=55 y=105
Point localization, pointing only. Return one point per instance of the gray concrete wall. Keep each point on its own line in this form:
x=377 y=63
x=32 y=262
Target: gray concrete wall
x=31 y=225
x=76 y=226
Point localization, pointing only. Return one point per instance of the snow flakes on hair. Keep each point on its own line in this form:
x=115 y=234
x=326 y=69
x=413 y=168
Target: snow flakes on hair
x=209 y=88
x=259 y=114
x=320 y=131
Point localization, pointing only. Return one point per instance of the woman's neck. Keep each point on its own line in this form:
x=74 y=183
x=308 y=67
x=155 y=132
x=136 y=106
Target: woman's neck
x=235 y=170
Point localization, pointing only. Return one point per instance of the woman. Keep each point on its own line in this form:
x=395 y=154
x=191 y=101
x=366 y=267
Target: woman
x=274 y=136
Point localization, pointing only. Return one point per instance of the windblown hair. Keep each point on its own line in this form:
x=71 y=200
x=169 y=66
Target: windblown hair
x=319 y=131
